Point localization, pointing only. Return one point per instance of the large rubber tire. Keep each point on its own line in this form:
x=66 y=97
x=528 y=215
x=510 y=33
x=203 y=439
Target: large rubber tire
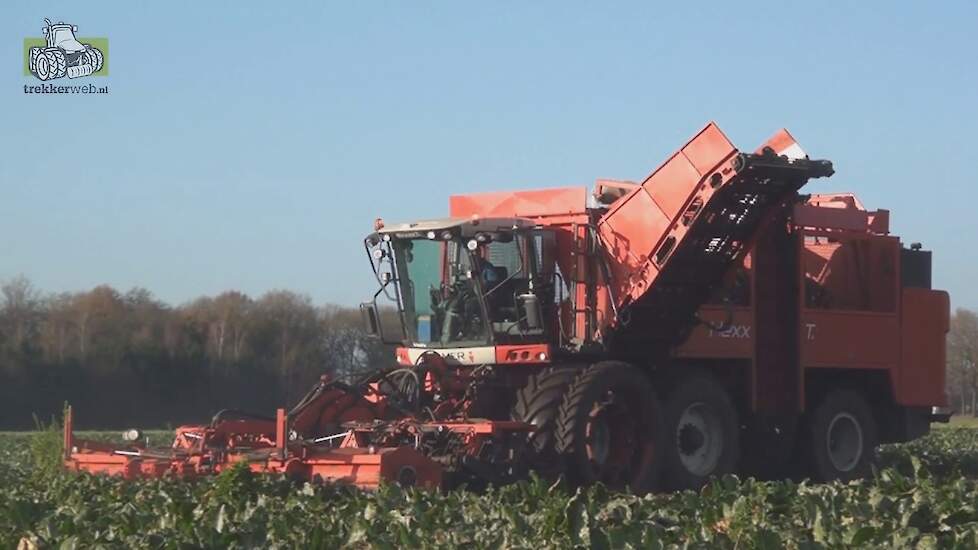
x=42 y=67
x=842 y=437
x=703 y=432
x=32 y=55
x=95 y=58
x=537 y=403
x=609 y=428
x=57 y=63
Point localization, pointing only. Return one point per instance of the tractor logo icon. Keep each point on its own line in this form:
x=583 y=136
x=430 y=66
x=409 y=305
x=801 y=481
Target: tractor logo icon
x=64 y=54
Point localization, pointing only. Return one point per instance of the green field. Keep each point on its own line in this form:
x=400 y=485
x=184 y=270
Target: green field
x=924 y=495
x=962 y=421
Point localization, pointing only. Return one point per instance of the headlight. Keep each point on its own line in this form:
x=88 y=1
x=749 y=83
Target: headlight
x=132 y=435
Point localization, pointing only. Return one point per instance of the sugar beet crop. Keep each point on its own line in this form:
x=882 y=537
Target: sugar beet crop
x=923 y=495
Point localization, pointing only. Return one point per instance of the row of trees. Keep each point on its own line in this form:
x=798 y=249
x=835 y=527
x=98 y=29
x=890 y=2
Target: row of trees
x=128 y=358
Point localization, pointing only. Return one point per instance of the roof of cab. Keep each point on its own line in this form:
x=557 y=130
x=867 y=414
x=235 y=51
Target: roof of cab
x=468 y=226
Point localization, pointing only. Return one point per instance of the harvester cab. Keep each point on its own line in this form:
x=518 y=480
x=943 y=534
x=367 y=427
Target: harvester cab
x=63 y=54
x=462 y=285
x=62 y=35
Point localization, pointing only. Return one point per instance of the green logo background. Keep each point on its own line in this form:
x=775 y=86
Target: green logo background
x=101 y=43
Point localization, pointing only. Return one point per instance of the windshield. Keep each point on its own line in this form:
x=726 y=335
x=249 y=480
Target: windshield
x=439 y=294
x=465 y=290
x=62 y=34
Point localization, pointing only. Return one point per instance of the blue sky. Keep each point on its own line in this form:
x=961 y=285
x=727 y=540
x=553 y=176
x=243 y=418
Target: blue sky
x=250 y=146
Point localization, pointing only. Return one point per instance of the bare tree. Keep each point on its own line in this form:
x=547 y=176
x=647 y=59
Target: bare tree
x=348 y=351
x=58 y=327
x=962 y=357
x=232 y=309
x=20 y=311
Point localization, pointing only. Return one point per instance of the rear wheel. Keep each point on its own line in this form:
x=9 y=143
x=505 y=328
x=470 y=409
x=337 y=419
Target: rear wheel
x=609 y=428
x=57 y=63
x=537 y=403
x=94 y=58
x=42 y=69
x=842 y=437
x=703 y=431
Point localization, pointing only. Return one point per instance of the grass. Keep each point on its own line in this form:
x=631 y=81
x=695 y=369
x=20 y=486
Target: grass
x=961 y=422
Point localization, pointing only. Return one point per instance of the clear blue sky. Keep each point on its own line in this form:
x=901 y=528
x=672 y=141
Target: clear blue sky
x=250 y=146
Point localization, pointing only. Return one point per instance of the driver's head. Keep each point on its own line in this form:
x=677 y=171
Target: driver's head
x=489 y=274
x=485 y=268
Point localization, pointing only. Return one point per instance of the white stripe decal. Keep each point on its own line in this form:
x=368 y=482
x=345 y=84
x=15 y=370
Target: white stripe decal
x=793 y=152
x=458 y=356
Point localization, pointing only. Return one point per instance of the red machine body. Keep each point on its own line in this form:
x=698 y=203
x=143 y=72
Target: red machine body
x=857 y=310
x=680 y=324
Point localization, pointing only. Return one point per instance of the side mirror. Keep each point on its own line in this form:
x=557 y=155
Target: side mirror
x=371 y=323
x=532 y=311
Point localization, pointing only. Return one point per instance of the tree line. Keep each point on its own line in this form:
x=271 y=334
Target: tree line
x=128 y=359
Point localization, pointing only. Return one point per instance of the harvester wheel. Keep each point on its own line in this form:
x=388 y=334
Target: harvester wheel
x=95 y=58
x=57 y=63
x=537 y=403
x=41 y=67
x=701 y=421
x=609 y=428
x=842 y=437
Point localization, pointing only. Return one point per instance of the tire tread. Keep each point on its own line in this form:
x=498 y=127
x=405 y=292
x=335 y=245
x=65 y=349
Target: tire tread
x=540 y=400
